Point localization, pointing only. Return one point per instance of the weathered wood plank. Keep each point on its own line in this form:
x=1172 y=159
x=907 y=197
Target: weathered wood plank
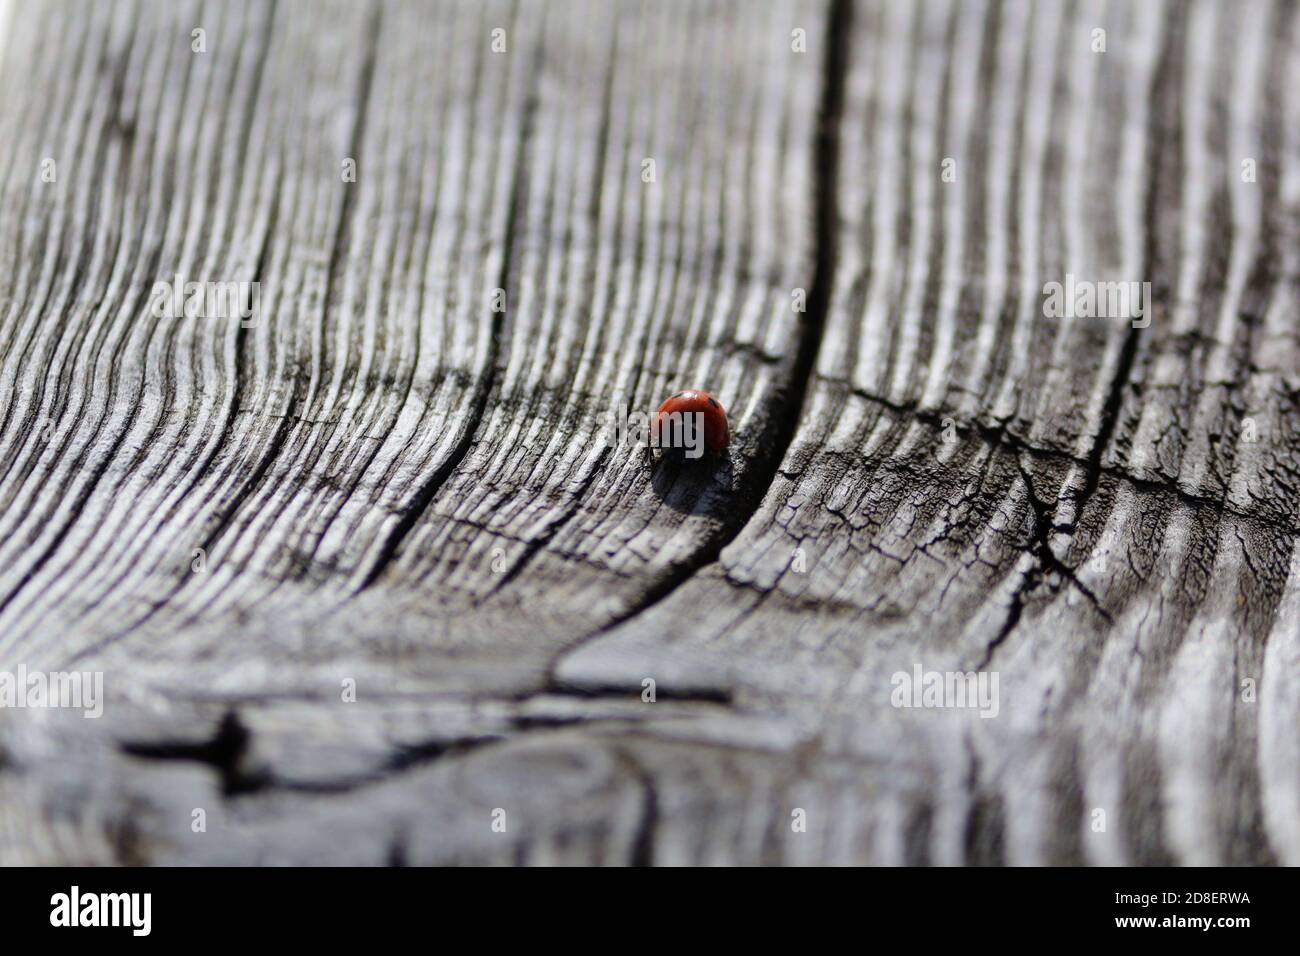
x=384 y=430
x=1106 y=534
x=394 y=484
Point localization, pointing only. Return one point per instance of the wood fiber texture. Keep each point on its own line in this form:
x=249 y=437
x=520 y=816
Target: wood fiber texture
x=393 y=480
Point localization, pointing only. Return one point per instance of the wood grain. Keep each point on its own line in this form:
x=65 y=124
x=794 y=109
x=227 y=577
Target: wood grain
x=398 y=480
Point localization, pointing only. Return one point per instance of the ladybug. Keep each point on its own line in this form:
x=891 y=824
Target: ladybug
x=672 y=428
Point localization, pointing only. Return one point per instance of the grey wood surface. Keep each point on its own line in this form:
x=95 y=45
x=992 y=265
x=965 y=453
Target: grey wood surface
x=398 y=488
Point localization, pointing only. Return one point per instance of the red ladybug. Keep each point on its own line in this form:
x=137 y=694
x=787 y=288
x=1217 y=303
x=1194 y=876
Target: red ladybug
x=665 y=432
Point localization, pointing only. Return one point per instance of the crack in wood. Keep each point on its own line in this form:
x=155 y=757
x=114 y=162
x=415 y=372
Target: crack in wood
x=788 y=403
